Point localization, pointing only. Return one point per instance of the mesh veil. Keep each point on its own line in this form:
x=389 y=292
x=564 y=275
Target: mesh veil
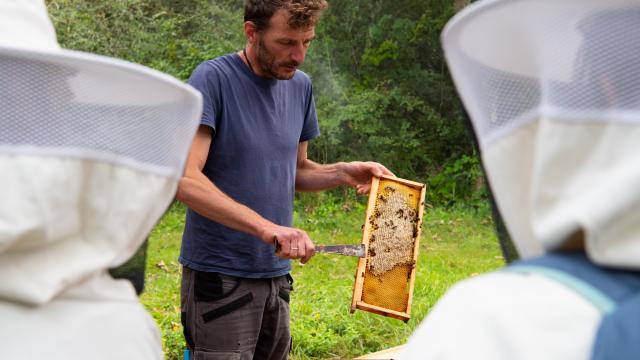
x=574 y=59
x=91 y=107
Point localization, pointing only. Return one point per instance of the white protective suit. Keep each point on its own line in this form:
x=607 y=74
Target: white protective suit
x=553 y=91
x=91 y=150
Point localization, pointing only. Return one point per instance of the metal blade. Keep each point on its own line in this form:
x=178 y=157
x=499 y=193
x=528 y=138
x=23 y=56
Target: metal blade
x=348 y=250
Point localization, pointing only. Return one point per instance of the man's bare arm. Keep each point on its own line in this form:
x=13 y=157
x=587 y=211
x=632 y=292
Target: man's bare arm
x=311 y=176
x=204 y=197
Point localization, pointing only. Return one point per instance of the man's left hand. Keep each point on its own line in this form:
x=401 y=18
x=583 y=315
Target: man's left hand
x=358 y=174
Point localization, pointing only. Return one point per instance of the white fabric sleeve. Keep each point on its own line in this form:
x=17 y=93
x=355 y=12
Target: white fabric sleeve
x=506 y=316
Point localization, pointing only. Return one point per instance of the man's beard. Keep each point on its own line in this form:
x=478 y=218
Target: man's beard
x=268 y=65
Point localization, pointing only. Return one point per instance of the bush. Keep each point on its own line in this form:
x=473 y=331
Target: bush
x=460 y=181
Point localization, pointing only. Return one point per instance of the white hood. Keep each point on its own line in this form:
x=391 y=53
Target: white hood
x=63 y=220
x=91 y=150
x=553 y=91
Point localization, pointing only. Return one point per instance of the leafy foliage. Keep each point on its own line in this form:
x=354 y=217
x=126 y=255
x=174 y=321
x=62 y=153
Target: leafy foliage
x=382 y=89
x=460 y=179
x=392 y=100
x=173 y=36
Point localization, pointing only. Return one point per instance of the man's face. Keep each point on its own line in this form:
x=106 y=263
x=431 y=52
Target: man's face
x=280 y=48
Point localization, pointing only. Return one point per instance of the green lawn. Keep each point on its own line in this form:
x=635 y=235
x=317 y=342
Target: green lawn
x=455 y=244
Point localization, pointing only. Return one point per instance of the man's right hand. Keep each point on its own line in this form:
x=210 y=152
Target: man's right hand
x=290 y=243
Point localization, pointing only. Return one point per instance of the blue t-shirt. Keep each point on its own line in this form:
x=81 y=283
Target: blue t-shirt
x=257 y=125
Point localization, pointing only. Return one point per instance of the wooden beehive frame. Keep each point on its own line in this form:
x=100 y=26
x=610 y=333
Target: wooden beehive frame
x=357 y=300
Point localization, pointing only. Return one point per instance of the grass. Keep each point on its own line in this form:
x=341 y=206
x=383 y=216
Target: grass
x=455 y=244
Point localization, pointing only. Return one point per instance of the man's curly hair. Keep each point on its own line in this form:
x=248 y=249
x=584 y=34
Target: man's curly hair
x=303 y=13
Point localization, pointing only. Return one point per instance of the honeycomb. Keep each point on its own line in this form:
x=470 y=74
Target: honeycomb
x=394 y=224
x=389 y=263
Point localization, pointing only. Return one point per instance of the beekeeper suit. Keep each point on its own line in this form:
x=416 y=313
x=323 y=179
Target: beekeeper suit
x=91 y=149
x=553 y=91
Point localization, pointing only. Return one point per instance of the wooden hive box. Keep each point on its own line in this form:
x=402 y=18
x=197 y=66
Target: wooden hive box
x=385 y=276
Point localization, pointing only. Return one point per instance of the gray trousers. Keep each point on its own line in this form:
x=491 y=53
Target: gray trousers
x=227 y=317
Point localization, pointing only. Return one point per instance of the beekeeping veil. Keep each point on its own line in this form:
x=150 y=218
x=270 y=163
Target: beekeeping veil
x=91 y=150
x=553 y=91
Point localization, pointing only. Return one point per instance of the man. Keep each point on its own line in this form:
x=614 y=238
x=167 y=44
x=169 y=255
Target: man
x=248 y=157
x=553 y=90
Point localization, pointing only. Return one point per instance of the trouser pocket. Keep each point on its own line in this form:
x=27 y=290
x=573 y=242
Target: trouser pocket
x=284 y=295
x=207 y=296
x=290 y=280
x=213 y=286
x=227 y=308
x=285 y=289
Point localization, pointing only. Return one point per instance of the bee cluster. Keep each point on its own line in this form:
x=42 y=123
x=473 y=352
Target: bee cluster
x=394 y=231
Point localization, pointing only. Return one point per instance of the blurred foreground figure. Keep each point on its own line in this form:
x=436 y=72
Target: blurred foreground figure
x=91 y=150
x=553 y=91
